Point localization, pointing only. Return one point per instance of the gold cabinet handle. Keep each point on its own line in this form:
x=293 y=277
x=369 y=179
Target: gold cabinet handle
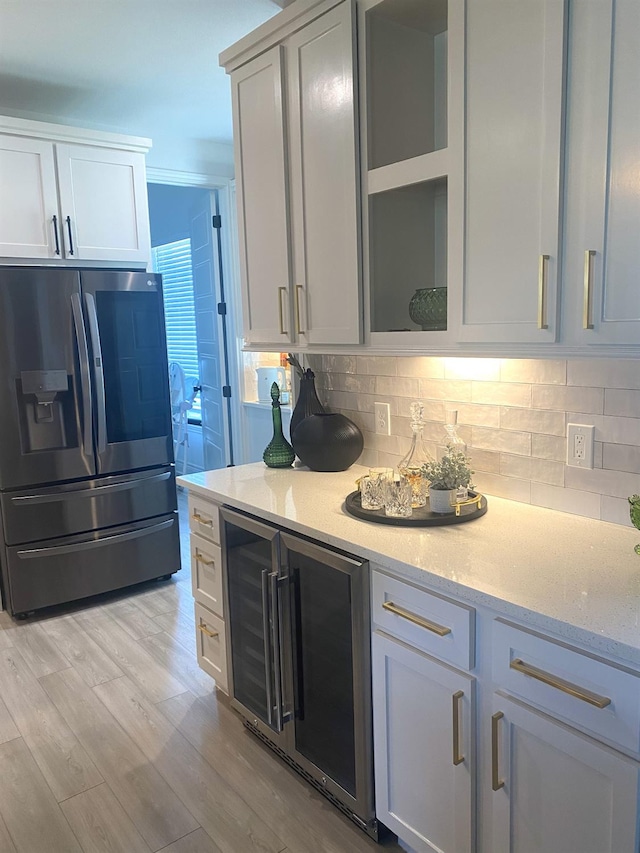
x=301 y=331
x=587 y=322
x=543 y=264
x=458 y=758
x=200 y=559
x=560 y=684
x=281 y=291
x=496 y=781
x=201 y=519
x=207 y=632
x=440 y=630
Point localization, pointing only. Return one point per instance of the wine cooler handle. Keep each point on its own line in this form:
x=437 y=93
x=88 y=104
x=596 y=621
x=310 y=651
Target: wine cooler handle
x=275 y=645
x=267 y=644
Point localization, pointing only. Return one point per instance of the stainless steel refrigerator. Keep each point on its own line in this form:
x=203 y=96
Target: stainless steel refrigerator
x=87 y=483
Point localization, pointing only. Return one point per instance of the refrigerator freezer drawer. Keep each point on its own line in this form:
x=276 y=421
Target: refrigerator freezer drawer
x=61 y=570
x=30 y=515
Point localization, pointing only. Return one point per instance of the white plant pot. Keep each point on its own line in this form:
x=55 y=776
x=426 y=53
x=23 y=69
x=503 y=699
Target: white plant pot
x=442 y=500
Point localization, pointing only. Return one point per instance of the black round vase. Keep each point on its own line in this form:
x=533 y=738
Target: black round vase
x=328 y=442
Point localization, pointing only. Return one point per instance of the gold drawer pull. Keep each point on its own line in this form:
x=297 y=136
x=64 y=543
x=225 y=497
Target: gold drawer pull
x=201 y=519
x=440 y=630
x=496 y=781
x=298 y=289
x=458 y=758
x=207 y=632
x=200 y=559
x=560 y=683
x=281 y=291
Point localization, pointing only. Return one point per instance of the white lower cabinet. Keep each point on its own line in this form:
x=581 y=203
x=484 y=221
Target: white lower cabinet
x=534 y=749
x=555 y=790
x=424 y=748
x=207 y=584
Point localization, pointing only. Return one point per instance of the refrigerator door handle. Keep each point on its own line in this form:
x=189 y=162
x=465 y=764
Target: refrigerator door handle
x=83 y=492
x=268 y=668
x=85 y=375
x=277 y=651
x=56 y=550
x=98 y=371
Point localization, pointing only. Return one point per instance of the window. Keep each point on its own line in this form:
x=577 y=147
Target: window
x=173 y=262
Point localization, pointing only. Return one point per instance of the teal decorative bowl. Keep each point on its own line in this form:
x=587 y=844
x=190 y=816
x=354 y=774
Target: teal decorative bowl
x=634 y=512
x=428 y=308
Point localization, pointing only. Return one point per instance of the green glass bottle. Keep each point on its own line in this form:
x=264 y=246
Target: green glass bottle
x=278 y=453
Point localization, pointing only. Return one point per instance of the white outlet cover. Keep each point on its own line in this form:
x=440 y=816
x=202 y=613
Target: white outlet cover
x=580 y=436
x=382 y=416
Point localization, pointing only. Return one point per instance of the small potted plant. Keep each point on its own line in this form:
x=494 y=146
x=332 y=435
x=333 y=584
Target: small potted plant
x=445 y=477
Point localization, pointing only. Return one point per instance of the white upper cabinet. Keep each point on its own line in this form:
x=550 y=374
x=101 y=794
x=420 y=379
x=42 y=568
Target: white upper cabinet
x=411 y=149
x=602 y=221
x=296 y=164
x=72 y=202
x=103 y=202
x=28 y=199
x=262 y=199
x=513 y=142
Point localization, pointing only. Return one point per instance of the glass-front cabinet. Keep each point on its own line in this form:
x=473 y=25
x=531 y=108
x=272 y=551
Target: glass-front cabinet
x=412 y=166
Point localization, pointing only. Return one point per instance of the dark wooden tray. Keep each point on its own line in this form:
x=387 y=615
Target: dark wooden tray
x=422 y=516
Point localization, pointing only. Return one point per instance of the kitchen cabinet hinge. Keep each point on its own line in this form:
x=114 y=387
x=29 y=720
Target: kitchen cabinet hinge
x=216 y=221
x=226 y=390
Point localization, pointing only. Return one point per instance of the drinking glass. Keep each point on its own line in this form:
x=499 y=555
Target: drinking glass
x=398 y=495
x=372 y=492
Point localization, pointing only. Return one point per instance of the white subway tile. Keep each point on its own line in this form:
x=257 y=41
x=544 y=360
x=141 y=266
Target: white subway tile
x=515 y=466
x=369 y=458
x=422 y=366
x=484 y=460
x=610 y=429
x=604 y=372
x=501 y=393
x=621 y=457
x=532 y=420
x=617 y=484
x=625 y=403
x=359 y=383
x=478 y=369
x=389 y=460
x=542 y=371
x=503 y=487
x=477 y=415
x=566 y=500
x=502 y=441
x=453 y=391
x=616 y=510
x=564 y=398
x=377 y=365
x=433 y=409
x=339 y=363
x=549 y=447
x=397 y=386
x=536 y=470
x=597 y=454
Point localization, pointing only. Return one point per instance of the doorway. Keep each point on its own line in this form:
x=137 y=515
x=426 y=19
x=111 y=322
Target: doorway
x=187 y=251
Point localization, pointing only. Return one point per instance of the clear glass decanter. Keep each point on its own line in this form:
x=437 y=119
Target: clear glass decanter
x=452 y=440
x=411 y=466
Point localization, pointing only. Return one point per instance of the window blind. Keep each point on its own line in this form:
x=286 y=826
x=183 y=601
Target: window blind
x=173 y=262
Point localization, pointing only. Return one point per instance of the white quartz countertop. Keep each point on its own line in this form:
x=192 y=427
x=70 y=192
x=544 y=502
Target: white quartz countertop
x=563 y=573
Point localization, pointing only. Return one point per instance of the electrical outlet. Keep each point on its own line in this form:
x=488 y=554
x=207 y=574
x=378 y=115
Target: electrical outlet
x=580 y=445
x=382 y=414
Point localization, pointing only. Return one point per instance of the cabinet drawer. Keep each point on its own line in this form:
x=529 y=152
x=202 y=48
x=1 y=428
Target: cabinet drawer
x=206 y=573
x=426 y=620
x=211 y=645
x=563 y=681
x=203 y=518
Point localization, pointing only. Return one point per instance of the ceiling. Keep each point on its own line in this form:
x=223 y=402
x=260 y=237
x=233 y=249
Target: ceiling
x=142 y=67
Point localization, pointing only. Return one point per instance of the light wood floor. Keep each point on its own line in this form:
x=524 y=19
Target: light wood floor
x=112 y=740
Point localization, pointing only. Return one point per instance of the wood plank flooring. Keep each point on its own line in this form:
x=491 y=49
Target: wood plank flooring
x=112 y=740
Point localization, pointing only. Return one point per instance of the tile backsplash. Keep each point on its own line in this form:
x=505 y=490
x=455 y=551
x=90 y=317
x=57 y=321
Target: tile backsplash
x=513 y=414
